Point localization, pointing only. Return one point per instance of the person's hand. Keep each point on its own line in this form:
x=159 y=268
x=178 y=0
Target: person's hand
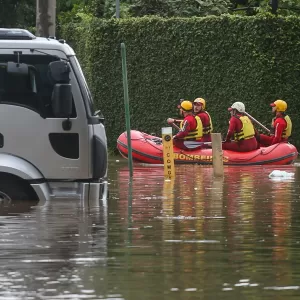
x=170 y=121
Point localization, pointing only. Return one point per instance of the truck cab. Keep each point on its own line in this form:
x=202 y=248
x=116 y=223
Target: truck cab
x=52 y=140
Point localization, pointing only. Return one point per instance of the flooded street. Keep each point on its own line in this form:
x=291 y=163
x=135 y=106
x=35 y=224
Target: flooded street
x=194 y=237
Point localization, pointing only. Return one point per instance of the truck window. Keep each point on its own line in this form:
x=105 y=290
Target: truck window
x=83 y=85
x=33 y=91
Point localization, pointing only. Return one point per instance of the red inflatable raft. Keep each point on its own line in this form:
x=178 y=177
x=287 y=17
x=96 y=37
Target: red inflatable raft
x=148 y=149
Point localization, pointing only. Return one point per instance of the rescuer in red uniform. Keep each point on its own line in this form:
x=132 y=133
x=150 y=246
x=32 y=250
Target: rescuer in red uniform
x=241 y=133
x=199 y=110
x=281 y=125
x=190 y=133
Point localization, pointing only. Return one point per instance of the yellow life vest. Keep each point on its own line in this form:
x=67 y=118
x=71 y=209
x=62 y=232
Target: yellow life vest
x=195 y=134
x=208 y=129
x=247 y=131
x=287 y=132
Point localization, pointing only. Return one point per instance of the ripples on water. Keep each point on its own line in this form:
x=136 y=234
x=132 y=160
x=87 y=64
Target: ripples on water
x=194 y=237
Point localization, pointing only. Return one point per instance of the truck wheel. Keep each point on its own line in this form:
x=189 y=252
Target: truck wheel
x=15 y=190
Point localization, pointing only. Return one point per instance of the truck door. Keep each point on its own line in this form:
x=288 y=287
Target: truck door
x=28 y=127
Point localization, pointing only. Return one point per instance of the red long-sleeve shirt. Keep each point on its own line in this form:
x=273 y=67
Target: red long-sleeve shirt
x=279 y=126
x=235 y=125
x=189 y=124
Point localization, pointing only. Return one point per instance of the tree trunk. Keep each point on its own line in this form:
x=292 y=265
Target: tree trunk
x=45 y=17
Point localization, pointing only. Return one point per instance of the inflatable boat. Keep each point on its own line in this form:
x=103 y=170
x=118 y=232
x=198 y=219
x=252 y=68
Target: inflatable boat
x=148 y=149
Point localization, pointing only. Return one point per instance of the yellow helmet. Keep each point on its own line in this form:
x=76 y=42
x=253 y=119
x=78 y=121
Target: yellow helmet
x=280 y=105
x=186 y=105
x=200 y=100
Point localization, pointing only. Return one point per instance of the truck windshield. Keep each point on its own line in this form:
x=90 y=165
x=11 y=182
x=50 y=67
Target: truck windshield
x=32 y=90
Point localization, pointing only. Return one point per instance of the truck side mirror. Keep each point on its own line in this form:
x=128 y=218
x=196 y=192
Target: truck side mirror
x=59 y=71
x=62 y=100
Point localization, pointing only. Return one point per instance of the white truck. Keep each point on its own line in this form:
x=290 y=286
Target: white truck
x=52 y=141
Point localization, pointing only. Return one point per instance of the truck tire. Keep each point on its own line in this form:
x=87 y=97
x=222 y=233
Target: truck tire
x=15 y=190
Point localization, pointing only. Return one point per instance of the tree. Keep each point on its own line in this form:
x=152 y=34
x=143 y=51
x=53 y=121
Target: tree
x=162 y=8
x=188 y=8
x=96 y=7
x=17 y=13
x=281 y=7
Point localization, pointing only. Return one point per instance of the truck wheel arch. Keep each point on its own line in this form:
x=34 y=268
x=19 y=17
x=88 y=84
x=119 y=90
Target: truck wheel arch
x=19 y=167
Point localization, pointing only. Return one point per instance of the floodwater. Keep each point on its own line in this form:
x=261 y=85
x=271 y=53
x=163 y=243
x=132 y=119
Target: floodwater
x=194 y=237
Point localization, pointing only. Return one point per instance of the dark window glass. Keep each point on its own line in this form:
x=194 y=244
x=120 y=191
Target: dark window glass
x=33 y=90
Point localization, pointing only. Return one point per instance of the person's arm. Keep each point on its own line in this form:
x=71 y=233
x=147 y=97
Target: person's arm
x=177 y=120
x=184 y=131
x=231 y=129
x=279 y=127
x=204 y=119
x=171 y=120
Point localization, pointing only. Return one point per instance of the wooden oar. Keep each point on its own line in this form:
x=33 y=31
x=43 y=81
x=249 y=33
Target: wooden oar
x=175 y=126
x=258 y=123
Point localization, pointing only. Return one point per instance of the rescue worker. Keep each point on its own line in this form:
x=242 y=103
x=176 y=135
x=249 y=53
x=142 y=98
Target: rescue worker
x=281 y=125
x=199 y=110
x=190 y=133
x=176 y=121
x=241 y=130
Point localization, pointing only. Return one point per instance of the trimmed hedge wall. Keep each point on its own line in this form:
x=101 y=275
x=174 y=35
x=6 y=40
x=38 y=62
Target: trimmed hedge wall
x=224 y=59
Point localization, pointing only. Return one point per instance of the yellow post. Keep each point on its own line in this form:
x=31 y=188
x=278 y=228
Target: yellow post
x=169 y=168
x=217 y=154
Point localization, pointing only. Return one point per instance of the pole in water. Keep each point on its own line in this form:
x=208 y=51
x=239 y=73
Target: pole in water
x=169 y=168
x=126 y=102
x=217 y=153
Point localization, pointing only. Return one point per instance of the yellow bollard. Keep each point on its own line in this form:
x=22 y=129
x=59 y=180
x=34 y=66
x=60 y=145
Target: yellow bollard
x=217 y=154
x=169 y=168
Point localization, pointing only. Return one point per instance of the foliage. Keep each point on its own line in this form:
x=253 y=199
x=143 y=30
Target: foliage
x=222 y=59
x=183 y=8
x=162 y=8
x=21 y=13
x=285 y=7
x=110 y=9
x=17 y=13
x=202 y=7
x=78 y=14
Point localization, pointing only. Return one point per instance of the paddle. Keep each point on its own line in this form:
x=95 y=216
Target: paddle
x=258 y=123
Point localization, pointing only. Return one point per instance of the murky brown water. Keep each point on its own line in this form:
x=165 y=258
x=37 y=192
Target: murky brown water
x=194 y=237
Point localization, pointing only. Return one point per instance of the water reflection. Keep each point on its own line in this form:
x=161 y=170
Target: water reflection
x=196 y=234
x=191 y=237
x=47 y=249
x=16 y=207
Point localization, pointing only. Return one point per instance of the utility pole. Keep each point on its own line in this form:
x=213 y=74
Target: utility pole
x=274 y=5
x=117 y=9
x=45 y=17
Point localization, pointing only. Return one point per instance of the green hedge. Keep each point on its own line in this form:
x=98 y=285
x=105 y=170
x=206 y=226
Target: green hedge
x=222 y=59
